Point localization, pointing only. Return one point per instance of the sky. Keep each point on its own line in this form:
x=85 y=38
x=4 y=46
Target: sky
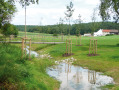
x=48 y=12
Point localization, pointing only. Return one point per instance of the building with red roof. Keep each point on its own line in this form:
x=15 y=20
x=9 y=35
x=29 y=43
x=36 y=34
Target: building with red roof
x=103 y=32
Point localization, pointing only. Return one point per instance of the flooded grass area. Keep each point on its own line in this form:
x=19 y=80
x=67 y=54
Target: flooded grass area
x=78 y=78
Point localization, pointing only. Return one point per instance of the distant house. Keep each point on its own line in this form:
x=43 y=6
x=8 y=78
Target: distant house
x=88 y=34
x=116 y=32
x=103 y=32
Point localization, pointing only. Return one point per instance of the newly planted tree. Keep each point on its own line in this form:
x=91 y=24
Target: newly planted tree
x=69 y=13
x=61 y=28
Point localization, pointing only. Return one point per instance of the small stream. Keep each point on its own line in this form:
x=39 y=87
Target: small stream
x=32 y=52
x=78 y=78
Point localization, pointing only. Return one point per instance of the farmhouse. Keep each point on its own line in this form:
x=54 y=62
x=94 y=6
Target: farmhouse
x=103 y=32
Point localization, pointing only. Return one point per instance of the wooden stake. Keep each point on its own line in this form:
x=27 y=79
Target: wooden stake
x=29 y=49
x=96 y=46
x=71 y=46
x=25 y=47
x=66 y=46
x=22 y=48
x=80 y=39
x=76 y=40
x=90 y=47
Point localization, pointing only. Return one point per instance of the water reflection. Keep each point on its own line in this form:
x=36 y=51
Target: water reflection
x=77 y=78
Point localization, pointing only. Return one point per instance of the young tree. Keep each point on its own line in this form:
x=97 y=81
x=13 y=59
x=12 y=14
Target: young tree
x=94 y=24
x=77 y=23
x=61 y=25
x=69 y=13
x=109 y=8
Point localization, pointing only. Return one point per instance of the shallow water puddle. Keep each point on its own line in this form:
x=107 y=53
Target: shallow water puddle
x=77 y=78
x=32 y=52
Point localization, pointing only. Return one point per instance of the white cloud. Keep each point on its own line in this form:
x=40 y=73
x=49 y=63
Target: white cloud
x=51 y=11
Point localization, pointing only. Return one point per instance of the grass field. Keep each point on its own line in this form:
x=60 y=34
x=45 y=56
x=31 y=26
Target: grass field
x=107 y=61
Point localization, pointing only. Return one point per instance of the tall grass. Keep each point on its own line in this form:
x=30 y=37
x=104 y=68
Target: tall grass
x=17 y=73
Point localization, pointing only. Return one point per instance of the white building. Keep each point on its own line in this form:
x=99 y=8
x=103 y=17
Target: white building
x=98 y=33
x=103 y=32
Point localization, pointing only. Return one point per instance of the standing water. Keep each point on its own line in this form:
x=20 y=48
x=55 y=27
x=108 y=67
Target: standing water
x=77 y=78
x=32 y=52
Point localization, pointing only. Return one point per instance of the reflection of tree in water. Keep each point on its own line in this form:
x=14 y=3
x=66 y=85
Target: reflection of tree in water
x=67 y=68
x=91 y=77
x=77 y=76
x=59 y=69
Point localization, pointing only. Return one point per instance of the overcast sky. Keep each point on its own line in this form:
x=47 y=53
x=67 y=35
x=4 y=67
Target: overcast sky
x=48 y=12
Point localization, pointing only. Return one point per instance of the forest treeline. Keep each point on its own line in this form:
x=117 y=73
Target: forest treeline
x=64 y=28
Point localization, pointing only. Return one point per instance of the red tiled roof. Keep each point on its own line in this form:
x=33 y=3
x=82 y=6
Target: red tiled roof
x=104 y=30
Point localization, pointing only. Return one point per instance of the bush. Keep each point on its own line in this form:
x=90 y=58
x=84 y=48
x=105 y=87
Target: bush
x=55 y=35
x=109 y=35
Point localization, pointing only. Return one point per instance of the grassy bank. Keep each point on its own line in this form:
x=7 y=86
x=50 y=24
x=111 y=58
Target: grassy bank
x=107 y=61
x=22 y=74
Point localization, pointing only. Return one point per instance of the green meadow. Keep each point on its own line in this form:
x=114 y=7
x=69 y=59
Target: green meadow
x=107 y=60
x=32 y=74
